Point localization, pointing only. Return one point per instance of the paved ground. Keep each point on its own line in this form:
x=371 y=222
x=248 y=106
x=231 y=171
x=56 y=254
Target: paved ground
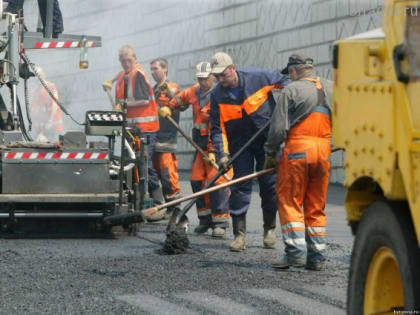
x=127 y=275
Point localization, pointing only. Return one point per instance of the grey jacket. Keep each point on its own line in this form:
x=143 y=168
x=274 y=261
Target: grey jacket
x=296 y=101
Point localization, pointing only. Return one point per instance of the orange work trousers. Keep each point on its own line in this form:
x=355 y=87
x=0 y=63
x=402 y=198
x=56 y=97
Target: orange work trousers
x=166 y=166
x=213 y=208
x=302 y=183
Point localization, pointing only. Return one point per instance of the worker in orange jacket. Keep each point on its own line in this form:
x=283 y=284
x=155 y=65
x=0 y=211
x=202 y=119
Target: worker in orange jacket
x=164 y=159
x=141 y=111
x=213 y=208
x=46 y=114
x=302 y=122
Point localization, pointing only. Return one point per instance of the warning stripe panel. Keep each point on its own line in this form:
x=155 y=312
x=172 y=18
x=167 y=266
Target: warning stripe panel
x=66 y=44
x=57 y=155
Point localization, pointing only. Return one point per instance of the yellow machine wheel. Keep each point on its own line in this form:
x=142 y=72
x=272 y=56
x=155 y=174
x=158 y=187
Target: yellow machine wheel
x=384 y=287
x=384 y=273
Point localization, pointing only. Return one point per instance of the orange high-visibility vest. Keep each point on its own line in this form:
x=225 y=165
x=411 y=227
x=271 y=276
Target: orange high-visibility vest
x=145 y=117
x=42 y=106
x=201 y=110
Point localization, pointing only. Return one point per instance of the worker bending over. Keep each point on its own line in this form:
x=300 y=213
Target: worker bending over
x=213 y=208
x=241 y=104
x=301 y=121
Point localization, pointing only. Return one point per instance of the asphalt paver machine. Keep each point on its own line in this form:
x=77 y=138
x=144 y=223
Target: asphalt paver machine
x=63 y=183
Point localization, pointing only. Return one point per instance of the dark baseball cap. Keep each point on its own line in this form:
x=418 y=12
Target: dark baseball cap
x=297 y=59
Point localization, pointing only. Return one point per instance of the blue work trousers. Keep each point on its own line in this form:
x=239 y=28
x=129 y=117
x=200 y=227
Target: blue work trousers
x=252 y=158
x=153 y=182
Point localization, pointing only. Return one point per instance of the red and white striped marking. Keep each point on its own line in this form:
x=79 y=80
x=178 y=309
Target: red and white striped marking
x=56 y=156
x=65 y=44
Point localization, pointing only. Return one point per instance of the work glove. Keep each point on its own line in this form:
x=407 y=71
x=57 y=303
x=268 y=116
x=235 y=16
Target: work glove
x=211 y=159
x=118 y=107
x=223 y=163
x=107 y=85
x=270 y=161
x=164 y=111
x=164 y=90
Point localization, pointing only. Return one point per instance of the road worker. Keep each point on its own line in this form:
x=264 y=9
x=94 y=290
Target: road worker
x=141 y=110
x=301 y=122
x=164 y=158
x=46 y=114
x=212 y=209
x=241 y=104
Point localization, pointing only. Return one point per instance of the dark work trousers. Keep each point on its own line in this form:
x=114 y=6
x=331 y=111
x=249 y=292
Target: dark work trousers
x=251 y=159
x=153 y=176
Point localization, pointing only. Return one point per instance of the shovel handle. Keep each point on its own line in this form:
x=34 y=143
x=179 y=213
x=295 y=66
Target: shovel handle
x=147 y=212
x=108 y=92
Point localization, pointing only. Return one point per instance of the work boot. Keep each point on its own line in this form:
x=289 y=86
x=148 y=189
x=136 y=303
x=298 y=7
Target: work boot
x=315 y=265
x=270 y=239
x=286 y=262
x=218 y=232
x=157 y=196
x=160 y=215
x=202 y=228
x=269 y=218
x=239 y=230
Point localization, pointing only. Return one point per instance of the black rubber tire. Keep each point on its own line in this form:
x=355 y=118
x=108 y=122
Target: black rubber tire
x=385 y=224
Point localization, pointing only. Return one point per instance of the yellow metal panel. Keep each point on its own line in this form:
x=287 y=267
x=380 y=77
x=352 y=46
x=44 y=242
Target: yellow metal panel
x=363 y=109
x=398 y=189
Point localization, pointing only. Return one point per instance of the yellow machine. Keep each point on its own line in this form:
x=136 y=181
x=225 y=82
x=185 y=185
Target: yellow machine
x=376 y=119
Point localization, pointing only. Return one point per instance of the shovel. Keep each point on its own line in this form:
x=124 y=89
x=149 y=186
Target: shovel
x=108 y=92
x=139 y=216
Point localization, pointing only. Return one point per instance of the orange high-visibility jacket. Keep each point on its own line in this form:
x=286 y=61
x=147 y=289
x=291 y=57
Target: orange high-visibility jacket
x=201 y=112
x=145 y=117
x=42 y=107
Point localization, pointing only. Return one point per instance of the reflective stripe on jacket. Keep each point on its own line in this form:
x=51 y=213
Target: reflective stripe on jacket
x=145 y=117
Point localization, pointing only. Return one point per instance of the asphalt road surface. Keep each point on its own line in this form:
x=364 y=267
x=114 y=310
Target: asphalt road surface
x=127 y=275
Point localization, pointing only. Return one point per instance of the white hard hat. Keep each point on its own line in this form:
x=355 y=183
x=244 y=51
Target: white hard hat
x=203 y=70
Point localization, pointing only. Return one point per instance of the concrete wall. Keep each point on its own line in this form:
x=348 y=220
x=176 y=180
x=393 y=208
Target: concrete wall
x=259 y=33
